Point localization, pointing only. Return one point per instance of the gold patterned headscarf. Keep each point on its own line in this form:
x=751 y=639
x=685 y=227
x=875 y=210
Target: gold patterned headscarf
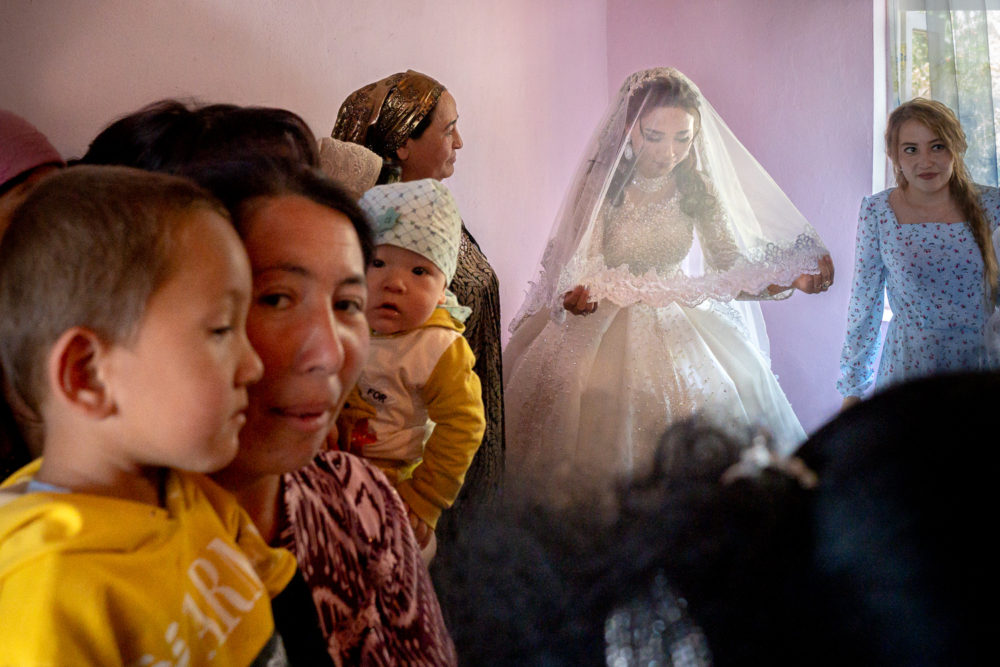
x=382 y=115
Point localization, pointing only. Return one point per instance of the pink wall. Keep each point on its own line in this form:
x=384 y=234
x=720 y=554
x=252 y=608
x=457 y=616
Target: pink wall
x=530 y=79
x=794 y=81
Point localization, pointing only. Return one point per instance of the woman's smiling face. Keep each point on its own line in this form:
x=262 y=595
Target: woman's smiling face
x=307 y=323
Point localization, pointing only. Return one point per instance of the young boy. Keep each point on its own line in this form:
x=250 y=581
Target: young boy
x=124 y=297
x=427 y=400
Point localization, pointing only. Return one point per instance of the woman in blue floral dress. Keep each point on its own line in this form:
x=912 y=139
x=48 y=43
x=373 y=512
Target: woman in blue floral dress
x=927 y=243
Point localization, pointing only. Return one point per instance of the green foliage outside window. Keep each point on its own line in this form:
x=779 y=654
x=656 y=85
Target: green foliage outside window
x=954 y=57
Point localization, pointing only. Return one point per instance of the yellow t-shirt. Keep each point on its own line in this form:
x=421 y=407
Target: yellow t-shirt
x=94 y=580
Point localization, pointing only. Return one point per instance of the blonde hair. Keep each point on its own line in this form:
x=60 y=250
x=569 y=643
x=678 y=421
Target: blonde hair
x=942 y=121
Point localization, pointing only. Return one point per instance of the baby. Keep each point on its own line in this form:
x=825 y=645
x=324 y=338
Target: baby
x=428 y=411
x=124 y=297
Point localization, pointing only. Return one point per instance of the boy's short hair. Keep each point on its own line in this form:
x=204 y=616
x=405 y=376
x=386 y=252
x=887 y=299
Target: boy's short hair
x=88 y=248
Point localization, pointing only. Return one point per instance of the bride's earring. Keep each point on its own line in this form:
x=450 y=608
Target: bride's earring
x=628 y=150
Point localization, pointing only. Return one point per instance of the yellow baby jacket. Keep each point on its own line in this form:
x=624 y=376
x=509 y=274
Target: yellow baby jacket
x=428 y=412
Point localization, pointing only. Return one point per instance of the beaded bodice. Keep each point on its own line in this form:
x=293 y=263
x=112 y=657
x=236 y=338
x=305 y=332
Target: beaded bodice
x=654 y=234
x=657 y=234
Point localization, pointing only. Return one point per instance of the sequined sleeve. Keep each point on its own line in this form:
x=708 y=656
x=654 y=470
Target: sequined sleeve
x=718 y=243
x=722 y=253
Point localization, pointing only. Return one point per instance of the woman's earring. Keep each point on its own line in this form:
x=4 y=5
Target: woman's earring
x=628 y=150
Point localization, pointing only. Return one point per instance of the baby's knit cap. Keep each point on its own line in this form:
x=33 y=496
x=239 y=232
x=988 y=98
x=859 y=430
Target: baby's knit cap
x=420 y=216
x=22 y=147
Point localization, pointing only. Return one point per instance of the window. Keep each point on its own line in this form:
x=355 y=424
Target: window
x=950 y=51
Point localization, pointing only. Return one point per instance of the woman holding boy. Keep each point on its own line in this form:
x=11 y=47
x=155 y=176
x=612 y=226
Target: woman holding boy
x=337 y=514
x=124 y=296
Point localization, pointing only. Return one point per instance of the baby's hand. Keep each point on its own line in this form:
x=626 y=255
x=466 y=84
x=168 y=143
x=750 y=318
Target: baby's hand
x=421 y=530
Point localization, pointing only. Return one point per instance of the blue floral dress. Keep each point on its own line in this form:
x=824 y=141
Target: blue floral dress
x=933 y=275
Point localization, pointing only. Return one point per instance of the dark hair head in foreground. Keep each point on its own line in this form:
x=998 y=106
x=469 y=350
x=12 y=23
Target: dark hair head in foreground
x=884 y=562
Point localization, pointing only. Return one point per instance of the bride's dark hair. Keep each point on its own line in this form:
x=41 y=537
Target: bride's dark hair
x=698 y=198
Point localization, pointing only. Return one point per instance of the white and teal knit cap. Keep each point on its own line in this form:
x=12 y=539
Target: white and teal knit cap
x=420 y=216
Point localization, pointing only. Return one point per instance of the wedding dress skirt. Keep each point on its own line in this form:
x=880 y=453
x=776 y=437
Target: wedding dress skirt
x=590 y=396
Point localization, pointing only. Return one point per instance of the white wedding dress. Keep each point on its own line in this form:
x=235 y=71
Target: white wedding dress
x=591 y=395
x=677 y=331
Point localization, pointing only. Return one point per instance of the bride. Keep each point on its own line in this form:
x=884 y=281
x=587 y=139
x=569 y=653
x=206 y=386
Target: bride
x=670 y=234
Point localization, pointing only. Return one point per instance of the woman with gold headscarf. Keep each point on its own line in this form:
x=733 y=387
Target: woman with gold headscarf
x=410 y=120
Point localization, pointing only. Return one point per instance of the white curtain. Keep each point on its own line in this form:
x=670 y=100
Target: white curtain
x=949 y=50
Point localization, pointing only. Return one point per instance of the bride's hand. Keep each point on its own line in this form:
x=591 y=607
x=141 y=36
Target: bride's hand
x=811 y=283
x=577 y=301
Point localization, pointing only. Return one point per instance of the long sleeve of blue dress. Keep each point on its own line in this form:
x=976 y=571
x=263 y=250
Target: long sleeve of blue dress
x=864 y=313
